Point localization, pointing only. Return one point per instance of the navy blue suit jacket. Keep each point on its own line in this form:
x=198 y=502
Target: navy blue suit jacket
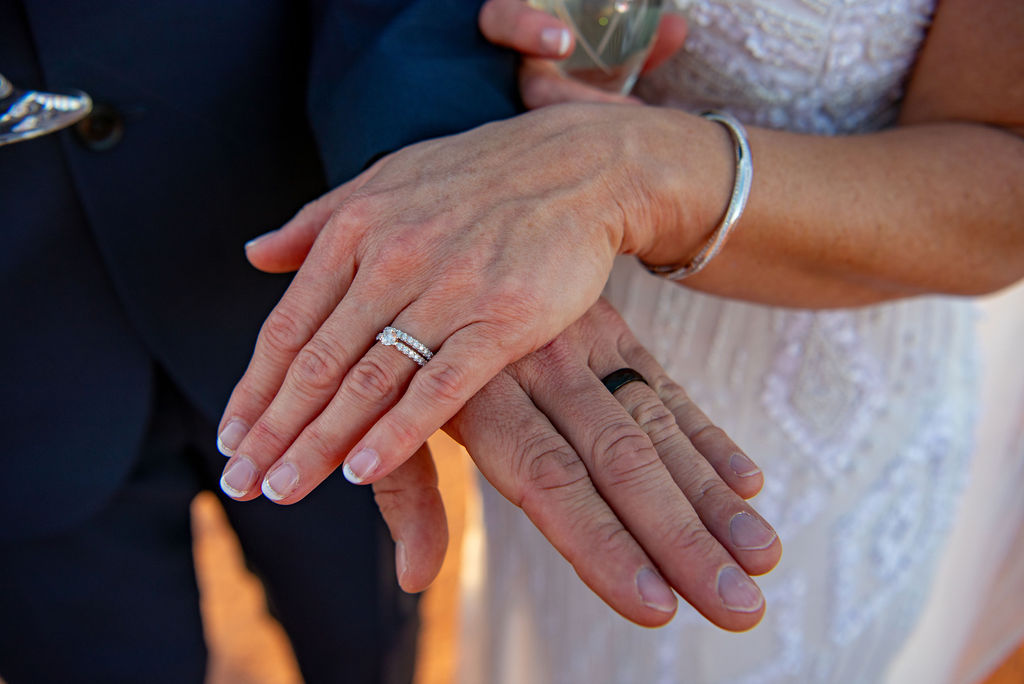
x=235 y=113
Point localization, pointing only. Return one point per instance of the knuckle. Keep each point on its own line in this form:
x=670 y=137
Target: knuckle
x=546 y=467
x=396 y=498
x=512 y=300
x=443 y=382
x=267 y=438
x=557 y=354
x=606 y=316
x=319 y=450
x=553 y=466
x=689 y=416
x=655 y=419
x=388 y=501
x=693 y=540
x=316 y=367
x=623 y=455
x=254 y=393
x=708 y=489
x=353 y=211
x=407 y=435
x=282 y=332
x=404 y=252
x=707 y=435
x=614 y=538
x=372 y=382
x=670 y=390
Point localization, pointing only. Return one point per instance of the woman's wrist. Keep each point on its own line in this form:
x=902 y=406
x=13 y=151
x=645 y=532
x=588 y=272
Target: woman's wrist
x=742 y=181
x=686 y=174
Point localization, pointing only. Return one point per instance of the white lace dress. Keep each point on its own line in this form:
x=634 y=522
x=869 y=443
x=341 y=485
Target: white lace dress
x=864 y=421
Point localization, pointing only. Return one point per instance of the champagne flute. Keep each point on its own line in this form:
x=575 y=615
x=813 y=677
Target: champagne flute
x=613 y=38
x=26 y=114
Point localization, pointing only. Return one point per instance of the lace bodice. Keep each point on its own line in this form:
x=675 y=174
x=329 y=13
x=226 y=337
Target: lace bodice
x=861 y=419
x=805 y=65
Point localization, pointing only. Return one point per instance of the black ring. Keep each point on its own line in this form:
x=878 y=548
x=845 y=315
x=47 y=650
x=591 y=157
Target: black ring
x=623 y=376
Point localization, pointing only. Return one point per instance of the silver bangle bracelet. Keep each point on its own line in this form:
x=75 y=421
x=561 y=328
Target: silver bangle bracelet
x=737 y=203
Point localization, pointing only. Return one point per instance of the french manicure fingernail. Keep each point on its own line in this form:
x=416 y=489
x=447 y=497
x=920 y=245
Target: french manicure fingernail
x=361 y=465
x=238 y=478
x=654 y=592
x=280 y=482
x=743 y=466
x=231 y=436
x=737 y=591
x=555 y=41
x=749 y=532
x=252 y=243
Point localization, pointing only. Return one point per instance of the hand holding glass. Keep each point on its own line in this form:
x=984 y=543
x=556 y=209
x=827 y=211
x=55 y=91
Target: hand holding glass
x=613 y=38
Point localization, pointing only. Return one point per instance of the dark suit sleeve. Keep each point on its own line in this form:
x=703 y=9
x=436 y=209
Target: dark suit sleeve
x=387 y=73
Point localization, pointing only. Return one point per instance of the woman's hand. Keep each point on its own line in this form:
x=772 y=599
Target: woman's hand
x=484 y=246
x=541 y=37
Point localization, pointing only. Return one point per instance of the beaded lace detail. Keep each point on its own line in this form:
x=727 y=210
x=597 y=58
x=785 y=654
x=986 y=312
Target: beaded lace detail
x=860 y=419
x=806 y=65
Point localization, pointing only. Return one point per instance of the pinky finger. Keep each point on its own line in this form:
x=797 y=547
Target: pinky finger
x=410 y=502
x=730 y=462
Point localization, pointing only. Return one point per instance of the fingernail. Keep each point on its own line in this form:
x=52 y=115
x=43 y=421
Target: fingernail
x=750 y=532
x=555 y=41
x=737 y=591
x=654 y=592
x=252 y=243
x=743 y=466
x=231 y=436
x=401 y=562
x=280 y=482
x=361 y=465
x=238 y=478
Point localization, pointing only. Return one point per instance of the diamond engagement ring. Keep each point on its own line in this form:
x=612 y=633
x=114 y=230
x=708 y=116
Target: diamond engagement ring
x=405 y=343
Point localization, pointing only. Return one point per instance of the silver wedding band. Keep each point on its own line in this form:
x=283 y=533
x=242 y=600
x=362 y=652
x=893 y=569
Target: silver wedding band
x=405 y=343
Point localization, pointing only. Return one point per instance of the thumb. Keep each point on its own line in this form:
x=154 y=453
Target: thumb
x=410 y=502
x=283 y=250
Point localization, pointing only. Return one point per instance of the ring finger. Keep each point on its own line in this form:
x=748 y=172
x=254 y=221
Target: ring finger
x=630 y=474
x=312 y=381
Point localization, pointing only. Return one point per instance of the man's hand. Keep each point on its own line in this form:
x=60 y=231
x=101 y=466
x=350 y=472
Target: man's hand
x=633 y=488
x=541 y=37
x=639 y=491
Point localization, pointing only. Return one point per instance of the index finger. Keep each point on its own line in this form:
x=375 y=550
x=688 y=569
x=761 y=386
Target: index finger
x=306 y=304
x=525 y=458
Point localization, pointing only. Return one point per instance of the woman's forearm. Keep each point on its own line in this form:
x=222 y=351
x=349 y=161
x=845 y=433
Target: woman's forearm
x=852 y=220
x=933 y=205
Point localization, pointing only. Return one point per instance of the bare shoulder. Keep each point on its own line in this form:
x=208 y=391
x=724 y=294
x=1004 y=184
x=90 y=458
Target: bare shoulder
x=971 y=66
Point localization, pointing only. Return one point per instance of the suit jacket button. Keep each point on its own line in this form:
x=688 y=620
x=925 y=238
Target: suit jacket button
x=102 y=130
